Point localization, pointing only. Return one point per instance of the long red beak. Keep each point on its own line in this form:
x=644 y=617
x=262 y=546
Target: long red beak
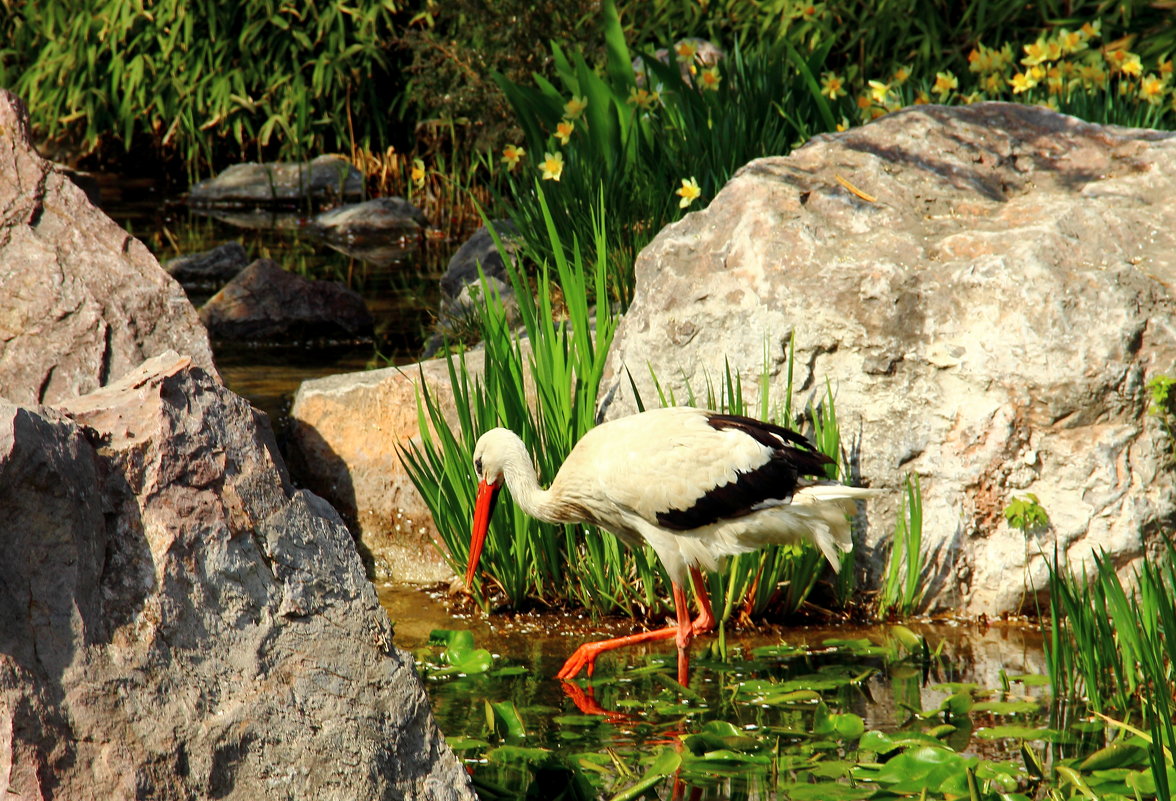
x=483 y=509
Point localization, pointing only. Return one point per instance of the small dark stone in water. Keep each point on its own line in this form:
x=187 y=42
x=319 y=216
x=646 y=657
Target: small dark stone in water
x=215 y=266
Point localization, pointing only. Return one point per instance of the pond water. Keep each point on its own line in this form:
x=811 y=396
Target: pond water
x=778 y=712
x=401 y=290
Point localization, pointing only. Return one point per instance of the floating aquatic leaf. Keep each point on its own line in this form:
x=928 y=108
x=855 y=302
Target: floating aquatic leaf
x=665 y=763
x=466 y=743
x=516 y=753
x=1018 y=733
x=508 y=720
x=1115 y=755
x=824 y=791
x=1007 y=707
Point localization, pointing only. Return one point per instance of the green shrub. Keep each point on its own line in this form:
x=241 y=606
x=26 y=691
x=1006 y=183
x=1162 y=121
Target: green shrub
x=208 y=81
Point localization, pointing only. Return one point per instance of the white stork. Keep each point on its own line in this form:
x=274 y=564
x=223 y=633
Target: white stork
x=696 y=485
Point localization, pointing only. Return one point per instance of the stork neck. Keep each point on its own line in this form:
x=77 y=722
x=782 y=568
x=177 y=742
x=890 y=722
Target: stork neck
x=523 y=482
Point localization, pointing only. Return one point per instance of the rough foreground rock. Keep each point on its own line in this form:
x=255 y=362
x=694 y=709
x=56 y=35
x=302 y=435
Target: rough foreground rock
x=82 y=302
x=987 y=307
x=180 y=623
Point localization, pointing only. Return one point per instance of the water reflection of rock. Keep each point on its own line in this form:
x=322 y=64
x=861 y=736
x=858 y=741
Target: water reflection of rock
x=325 y=179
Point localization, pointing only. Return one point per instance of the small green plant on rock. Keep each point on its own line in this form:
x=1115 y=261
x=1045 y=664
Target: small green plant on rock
x=1163 y=402
x=1026 y=513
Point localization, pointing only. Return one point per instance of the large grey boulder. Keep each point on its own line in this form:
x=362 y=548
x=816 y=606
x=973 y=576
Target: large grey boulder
x=82 y=303
x=180 y=622
x=987 y=289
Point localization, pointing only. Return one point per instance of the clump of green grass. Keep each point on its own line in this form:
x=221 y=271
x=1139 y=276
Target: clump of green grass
x=1115 y=645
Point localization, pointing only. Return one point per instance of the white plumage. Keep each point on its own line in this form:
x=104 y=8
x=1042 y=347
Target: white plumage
x=696 y=485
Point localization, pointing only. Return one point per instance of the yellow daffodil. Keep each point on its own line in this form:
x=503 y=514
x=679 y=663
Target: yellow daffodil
x=552 y=166
x=992 y=83
x=1022 y=82
x=1035 y=53
x=901 y=75
x=1055 y=80
x=686 y=50
x=922 y=98
x=879 y=91
x=640 y=96
x=945 y=84
x=843 y=125
x=1071 y=41
x=688 y=191
x=511 y=155
x=710 y=79
x=1151 y=89
x=832 y=86
x=1165 y=69
x=1091 y=30
x=1092 y=75
x=1132 y=66
x=575 y=107
x=418 y=172
x=563 y=131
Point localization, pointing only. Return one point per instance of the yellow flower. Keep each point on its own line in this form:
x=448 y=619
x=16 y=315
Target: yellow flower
x=575 y=107
x=843 y=125
x=552 y=166
x=710 y=79
x=511 y=155
x=832 y=86
x=1151 y=89
x=1071 y=41
x=1165 y=68
x=1093 y=76
x=1035 y=53
x=922 y=98
x=1022 y=83
x=1055 y=80
x=992 y=83
x=1091 y=30
x=945 y=83
x=563 y=131
x=688 y=191
x=901 y=75
x=879 y=91
x=418 y=172
x=1132 y=65
x=640 y=96
x=686 y=50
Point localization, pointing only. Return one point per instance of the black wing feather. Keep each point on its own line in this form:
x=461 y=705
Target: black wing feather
x=792 y=456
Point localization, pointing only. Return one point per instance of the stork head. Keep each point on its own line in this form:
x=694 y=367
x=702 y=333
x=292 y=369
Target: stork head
x=489 y=455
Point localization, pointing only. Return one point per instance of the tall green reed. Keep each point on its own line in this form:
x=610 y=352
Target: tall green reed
x=644 y=131
x=560 y=365
x=1115 y=646
x=901 y=593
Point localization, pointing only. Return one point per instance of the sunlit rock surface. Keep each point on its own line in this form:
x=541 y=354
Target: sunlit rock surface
x=180 y=622
x=987 y=290
x=346 y=432
x=82 y=303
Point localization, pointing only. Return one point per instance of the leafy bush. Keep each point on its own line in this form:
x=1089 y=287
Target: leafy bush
x=204 y=82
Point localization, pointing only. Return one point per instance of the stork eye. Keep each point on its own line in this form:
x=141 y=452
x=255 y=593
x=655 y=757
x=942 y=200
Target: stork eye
x=478 y=466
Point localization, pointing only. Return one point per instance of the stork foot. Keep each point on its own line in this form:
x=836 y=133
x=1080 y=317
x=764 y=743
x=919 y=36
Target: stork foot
x=582 y=658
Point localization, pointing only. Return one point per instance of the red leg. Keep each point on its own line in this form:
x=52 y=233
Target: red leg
x=685 y=634
x=584 y=657
x=706 y=616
